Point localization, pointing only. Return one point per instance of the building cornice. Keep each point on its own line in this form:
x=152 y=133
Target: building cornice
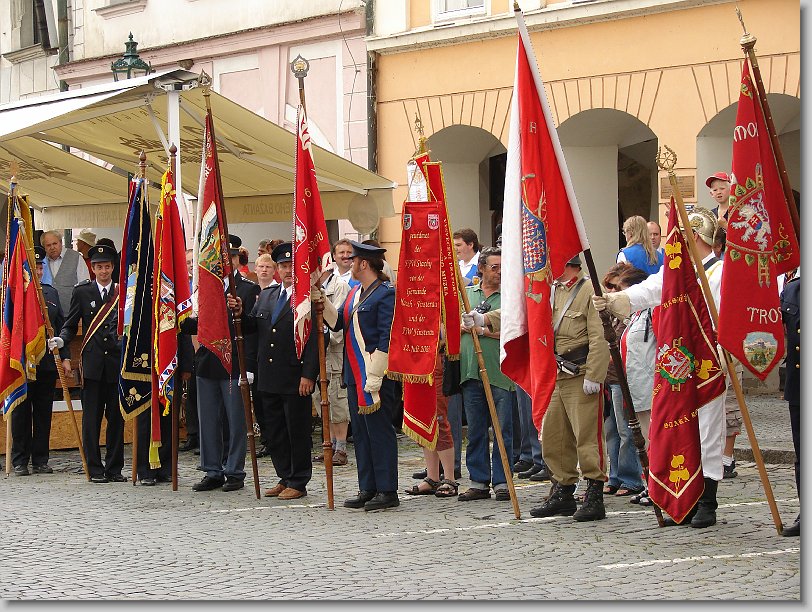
x=552 y=17
x=28 y=53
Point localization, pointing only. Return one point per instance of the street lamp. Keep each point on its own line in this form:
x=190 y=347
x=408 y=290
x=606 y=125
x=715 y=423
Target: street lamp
x=130 y=64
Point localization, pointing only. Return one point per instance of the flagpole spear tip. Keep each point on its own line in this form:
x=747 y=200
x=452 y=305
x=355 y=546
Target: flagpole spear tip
x=173 y=150
x=666 y=160
x=418 y=127
x=747 y=40
x=142 y=164
x=516 y=6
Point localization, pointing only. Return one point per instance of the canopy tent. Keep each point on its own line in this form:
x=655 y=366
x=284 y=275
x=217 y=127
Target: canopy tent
x=114 y=122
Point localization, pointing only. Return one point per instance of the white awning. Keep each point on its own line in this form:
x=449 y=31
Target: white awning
x=116 y=121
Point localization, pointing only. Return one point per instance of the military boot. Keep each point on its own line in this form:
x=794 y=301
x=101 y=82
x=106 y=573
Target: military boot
x=592 y=509
x=706 y=506
x=560 y=501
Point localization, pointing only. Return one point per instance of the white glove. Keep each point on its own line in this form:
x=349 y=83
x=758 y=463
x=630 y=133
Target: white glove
x=373 y=384
x=250 y=377
x=55 y=343
x=469 y=319
x=617 y=304
x=316 y=295
x=591 y=388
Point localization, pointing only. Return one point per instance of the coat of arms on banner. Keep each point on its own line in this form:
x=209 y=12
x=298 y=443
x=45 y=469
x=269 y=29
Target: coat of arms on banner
x=434 y=221
x=760 y=349
x=407 y=221
x=675 y=363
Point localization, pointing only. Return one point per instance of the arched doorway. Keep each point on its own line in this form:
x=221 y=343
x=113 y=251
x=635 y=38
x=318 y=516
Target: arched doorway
x=474 y=170
x=714 y=143
x=611 y=158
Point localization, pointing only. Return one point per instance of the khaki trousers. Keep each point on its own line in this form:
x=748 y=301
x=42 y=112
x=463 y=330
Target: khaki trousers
x=572 y=433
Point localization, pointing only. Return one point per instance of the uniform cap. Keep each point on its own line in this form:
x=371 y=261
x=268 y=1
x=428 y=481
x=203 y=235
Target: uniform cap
x=575 y=261
x=282 y=253
x=39 y=254
x=234 y=244
x=703 y=223
x=366 y=251
x=102 y=252
x=719 y=176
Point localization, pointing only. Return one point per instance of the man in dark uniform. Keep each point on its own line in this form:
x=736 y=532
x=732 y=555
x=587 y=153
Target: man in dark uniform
x=31 y=421
x=285 y=381
x=791 y=311
x=366 y=318
x=219 y=400
x=95 y=304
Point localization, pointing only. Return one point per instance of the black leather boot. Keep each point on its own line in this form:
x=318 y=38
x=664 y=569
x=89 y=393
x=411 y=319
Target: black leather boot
x=560 y=502
x=592 y=509
x=669 y=522
x=706 y=506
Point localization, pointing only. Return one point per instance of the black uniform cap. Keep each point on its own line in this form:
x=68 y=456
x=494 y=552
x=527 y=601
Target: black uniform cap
x=39 y=254
x=234 y=244
x=366 y=251
x=282 y=253
x=102 y=252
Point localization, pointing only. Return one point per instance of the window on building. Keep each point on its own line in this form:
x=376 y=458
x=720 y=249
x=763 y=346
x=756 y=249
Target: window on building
x=30 y=23
x=451 y=9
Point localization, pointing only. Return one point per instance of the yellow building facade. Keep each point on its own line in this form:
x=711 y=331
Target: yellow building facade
x=623 y=78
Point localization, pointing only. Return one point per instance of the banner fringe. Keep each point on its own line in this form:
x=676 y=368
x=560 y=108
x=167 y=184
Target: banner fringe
x=154 y=460
x=424 y=379
x=369 y=409
x=421 y=440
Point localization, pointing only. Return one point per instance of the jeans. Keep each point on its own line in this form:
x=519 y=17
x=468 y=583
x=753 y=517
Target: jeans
x=482 y=468
x=624 y=465
x=531 y=446
x=455 y=421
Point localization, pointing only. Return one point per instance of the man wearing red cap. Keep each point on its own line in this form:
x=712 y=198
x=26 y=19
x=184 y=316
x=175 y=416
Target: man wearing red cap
x=719 y=185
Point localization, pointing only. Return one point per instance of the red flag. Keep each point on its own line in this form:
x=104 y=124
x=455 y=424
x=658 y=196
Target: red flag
x=22 y=336
x=761 y=243
x=171 y=304
x=687 y=376
x=311 y=246
x=542 y=229
x=214 y=263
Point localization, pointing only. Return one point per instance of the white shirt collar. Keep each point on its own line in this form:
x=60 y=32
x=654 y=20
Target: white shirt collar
x=107 y=286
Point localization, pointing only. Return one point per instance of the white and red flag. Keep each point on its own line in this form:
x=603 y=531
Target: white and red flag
x=311 y=246
x=761 y=243
x=542 y=229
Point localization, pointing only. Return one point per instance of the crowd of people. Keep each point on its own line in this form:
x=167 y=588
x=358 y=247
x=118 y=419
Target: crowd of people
x=585 y=447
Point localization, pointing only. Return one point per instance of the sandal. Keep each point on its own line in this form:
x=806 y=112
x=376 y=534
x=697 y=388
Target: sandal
x=610 y=489
x=635 y=499
x=626 y=491
x=416 y=490
x=447 y=488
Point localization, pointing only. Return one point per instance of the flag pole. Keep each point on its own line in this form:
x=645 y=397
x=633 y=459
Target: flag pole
x=174 y=410
x=142 y=173
x=245 y=390
x=55 y=351
x=9 y=214
x=300 y=67
x=748 y=43
x=667 y=161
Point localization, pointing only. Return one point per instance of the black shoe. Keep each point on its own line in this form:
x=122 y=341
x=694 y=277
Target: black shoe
x=21 y=470
x=197 y=450
x=794 y=529
x=163 y=479
x=116 y=478
x=592 y=509
x=359 y=500
x=99 y=479
x=686 y=522
x=263 y=452
x=42 y=469
x=706 y=506
x=147 y=482
x=730 y=470
x=233 y=483
x=560 y=502
x=189 y=444
x=502 y=495
x=535 y=469
x=382 y=500
x=208 y=484
x=522 y=466
x=542 y=475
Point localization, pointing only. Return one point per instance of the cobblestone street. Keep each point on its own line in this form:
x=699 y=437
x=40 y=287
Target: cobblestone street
x=65 y=538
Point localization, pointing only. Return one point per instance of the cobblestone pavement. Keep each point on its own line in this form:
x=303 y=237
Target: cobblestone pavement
x=65 y=538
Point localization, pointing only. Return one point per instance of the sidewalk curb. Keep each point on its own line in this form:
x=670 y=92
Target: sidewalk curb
x=786 y=457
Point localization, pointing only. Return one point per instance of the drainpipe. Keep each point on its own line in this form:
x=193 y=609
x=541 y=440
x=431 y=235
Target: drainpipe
x=372 y=97
x=62 y=35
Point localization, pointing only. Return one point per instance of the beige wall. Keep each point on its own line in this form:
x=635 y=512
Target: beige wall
x=673 y=72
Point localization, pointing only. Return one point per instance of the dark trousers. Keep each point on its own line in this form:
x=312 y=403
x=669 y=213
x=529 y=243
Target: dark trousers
x=100 y=399
x=795 y=424
x=192 y=427
x=289 y=426
x=31 y=422
x=259 y=414
x=164 y=451
x=375 y=440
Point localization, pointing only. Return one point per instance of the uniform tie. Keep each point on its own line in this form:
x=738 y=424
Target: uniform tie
x=104 y=295
x=280 y=304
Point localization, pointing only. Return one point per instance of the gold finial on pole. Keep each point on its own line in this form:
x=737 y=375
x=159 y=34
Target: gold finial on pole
x=142 y=164
x=421 y=140
x=666 y=160
x=747 y=39
x=516 y=6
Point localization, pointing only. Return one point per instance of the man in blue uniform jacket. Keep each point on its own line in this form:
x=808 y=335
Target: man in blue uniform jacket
x=31 y=421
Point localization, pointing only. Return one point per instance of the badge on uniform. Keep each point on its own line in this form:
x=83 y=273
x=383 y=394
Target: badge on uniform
x=93 y=304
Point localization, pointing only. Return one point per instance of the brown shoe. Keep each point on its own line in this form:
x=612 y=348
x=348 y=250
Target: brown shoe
x=289 y=493
x=275 y=491
x=340 y=457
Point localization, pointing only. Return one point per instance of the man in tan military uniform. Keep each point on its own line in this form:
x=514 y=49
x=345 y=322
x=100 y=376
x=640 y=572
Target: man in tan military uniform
x=571 y=433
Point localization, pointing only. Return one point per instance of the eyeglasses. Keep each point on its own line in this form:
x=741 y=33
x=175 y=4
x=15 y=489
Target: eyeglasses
x=494 y=267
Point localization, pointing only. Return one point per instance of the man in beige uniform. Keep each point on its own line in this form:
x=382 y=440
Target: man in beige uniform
x=571 y=433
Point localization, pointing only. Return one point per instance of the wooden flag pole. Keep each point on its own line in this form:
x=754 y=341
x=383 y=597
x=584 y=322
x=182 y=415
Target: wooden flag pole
x=173 y=408
x=49 y=332
x=748 y=43
x=245 y=388
x=667 y=161
x=9 y=214
x=300 y=67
